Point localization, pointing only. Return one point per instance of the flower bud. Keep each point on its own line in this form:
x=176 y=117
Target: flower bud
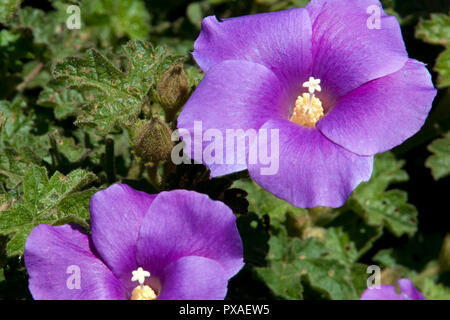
x=173 y=90
x=153 y=141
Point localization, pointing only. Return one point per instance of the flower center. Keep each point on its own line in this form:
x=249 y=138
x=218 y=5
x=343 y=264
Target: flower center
x=142 y=292
x=308 y=108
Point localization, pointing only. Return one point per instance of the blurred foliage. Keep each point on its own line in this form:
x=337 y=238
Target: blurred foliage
x=437 y=31
x=73 y=103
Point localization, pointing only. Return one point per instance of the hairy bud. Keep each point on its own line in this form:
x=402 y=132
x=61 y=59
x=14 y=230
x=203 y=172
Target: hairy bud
x=173 y=90
x=152 y=141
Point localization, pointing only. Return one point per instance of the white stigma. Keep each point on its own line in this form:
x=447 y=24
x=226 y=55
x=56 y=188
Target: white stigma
x=140 y=275
x=308 y=108
x=312 y=85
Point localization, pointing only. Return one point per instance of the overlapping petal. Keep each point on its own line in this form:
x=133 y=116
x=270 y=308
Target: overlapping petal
x=313 y=171
x=281 y=41
x=407 y=288
x=184 y=223
x=116 y=216
x=194 y=278
x=385 y=292
x=382 y=113
x=389 y=292
x=233 y=95
x=54 y=256
x=348 y=48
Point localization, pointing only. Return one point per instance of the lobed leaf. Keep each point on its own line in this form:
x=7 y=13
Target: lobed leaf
x=60 y=199
x=439 y=162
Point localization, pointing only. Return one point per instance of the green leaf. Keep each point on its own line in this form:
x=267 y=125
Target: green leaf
x=60 y=199
x=112 y=19
x=283 y=279
x=64 y=101
x=281 y=276
x=340 y=246
x=432 y=291
x=115 y=98
x=7 y=9
x=49 y=29
x=443 y=68
x=264 y=203
x=362 y=236
x=439 y=162
x=195 y=12
x=19 y=147
x=435 y=30
x=379 y=207
x=292 y=260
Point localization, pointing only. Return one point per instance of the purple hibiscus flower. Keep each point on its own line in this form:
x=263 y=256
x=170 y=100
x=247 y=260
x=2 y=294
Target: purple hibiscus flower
x=173 y=245
x=336 y=84
x=387 y=292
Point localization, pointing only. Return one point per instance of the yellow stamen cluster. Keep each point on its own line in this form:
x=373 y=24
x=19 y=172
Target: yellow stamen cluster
x=143 y=292
x=307 y=111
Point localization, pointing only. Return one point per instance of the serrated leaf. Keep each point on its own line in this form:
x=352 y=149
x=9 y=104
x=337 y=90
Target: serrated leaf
x=263 y=202
x=64 y=101
x=283 y=279
x=12 y=167
x=307 y=260
x=17 y=130
x=385 y=208
x=116 y=97
x=439 y=162
x=353 y=226
x=49 y=29
x=340 y=246
x=19 y=147
x=50 y=201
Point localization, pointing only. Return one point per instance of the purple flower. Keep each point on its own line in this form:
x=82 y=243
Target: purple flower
x=337 y=86
x=173 y=245
x=386 y=292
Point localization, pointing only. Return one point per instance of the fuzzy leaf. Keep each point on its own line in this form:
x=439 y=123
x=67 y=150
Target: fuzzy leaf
x=340 y=246
x=19 y=147
x=264 y=203
x=293 y=260
x=64 y=101
x=116 y=97
x=57 y=200
x=439 y=162
x=379 y=207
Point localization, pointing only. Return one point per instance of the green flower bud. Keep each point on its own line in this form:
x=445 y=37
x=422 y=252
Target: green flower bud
x=173 y=90
x=153 y=141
